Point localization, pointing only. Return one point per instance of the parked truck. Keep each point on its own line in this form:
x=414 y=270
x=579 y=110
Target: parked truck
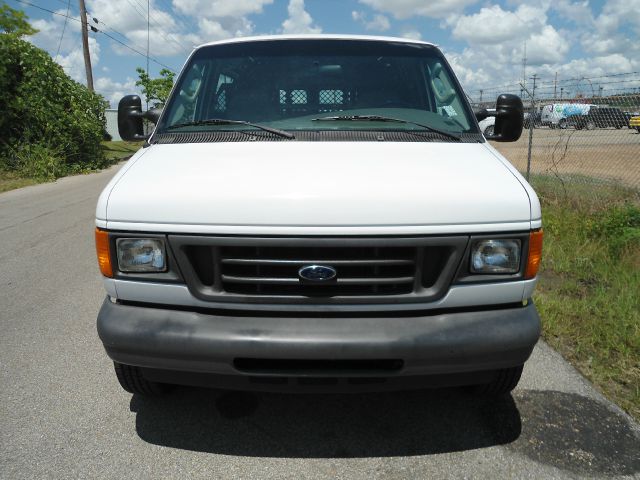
x=318 y=213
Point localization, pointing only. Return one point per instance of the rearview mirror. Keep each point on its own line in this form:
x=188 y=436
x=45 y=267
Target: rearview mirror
x=509 y=119
x=130 y=116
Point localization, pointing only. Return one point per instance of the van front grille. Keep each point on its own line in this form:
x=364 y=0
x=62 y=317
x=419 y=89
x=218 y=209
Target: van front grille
x=360 y=271
x=271 y=269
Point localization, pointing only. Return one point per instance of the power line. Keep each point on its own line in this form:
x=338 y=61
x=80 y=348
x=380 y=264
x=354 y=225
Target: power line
x=139 y=9
x=64 y=27
x=187 y=22
x=104 y=33
x=137 y=51
x=564 y=82
x=47 y=10
x=125 y=44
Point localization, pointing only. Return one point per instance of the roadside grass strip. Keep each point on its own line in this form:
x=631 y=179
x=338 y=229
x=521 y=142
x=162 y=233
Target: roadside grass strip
x=588 y=295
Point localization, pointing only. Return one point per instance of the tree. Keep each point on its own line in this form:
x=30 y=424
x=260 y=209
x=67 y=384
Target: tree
x=155 y=90
x=14 y=22
x=50 y=125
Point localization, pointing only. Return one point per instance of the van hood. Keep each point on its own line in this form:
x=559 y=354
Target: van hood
x=342 y=187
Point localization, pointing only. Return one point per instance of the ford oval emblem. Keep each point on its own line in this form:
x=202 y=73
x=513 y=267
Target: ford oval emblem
x=317 y=273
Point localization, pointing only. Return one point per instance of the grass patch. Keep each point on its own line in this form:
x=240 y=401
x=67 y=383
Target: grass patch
x=11 y=181
x=119 y=150
x=46 y=166
x=589 y=290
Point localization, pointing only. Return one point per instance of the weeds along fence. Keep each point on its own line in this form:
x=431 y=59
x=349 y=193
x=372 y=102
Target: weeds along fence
x=578 y=132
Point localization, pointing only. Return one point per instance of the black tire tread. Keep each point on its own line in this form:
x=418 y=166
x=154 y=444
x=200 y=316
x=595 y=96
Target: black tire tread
x=506 y=380
x=132 y=380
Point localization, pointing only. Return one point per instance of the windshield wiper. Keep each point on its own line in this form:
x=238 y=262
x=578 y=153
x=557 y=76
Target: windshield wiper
x=380 y=118
x=224 y=121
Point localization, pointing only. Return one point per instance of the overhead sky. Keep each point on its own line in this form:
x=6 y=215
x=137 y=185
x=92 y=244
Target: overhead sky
x=483 y=40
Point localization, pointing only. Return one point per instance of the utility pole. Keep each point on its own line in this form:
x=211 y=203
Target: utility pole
x=524 y=65
x=148 y=1
x=555 y=85
x=147 y=37
x=480 y=95
x=533 y=92
x=561 y=90
x=85 y=45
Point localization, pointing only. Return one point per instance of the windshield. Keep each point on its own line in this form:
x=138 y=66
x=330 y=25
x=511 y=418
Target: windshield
x=290 y=84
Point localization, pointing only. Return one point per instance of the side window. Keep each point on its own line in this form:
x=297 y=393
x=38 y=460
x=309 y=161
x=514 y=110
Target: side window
x=185 y=103
x=448 y=103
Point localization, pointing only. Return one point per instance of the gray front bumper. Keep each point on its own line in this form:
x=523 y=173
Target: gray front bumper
x=442 y=343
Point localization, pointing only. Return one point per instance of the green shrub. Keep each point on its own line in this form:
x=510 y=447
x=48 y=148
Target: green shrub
x=35 y=160
x=620 y=226
x=49 y=124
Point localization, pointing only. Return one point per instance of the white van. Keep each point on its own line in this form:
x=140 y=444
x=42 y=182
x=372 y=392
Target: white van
x=555 y=114
x=318 y=213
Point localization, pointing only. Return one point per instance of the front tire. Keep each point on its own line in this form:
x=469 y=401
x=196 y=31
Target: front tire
x=132 y=380
x=488 y=131
x=504 y=382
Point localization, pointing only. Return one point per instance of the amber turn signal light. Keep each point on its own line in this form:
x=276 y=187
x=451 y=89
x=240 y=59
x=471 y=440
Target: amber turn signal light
x=104 y=252
x=535 y=254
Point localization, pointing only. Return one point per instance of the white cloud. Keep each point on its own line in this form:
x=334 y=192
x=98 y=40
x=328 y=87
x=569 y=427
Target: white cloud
x=604 y=34
x=50 y=32
x=466 y=69
x=220 y=8
x=378 y=23
x=546 y=47
x=130 y=18
x=73 y=61
x=410 y=32
x=493 y=25
x=113 y=91
x=403 y=9
x=299 y=20
x=212 y=29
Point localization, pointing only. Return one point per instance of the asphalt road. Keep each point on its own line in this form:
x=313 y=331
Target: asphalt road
x=63 y=414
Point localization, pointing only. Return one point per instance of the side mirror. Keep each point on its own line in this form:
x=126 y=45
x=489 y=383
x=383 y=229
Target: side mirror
x=480 y=113
x=153 y=115
x=509 y=119
x=130 y=116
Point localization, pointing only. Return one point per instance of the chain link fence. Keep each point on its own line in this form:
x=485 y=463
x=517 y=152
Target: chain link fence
x=578 y=131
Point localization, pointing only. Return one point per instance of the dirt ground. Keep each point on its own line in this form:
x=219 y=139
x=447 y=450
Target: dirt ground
x=605 y=154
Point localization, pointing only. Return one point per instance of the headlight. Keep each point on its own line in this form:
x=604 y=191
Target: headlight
x=495 y=256
x=141 y=255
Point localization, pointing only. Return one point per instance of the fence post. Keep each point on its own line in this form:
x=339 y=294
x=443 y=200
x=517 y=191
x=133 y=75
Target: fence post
x=531 y=122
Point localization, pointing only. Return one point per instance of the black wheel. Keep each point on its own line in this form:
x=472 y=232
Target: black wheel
x=488 y=131
x=562 y=123
x=132 y=381
x=591 y=125
x=504 y=382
